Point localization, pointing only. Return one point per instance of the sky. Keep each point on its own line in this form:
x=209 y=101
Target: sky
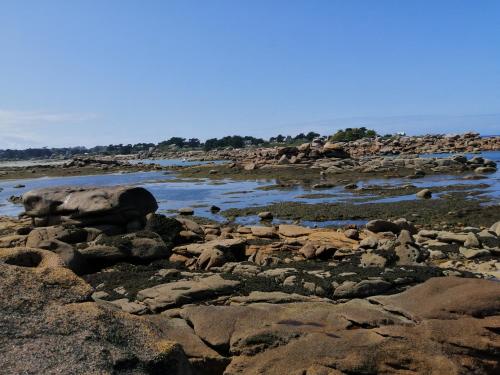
x=96 y=72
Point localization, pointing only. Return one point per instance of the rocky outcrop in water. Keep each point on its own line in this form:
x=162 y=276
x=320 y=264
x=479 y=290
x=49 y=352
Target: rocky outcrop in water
x=92 y=227
x=341 y=158
x=317 y=149
x=89 y=205
x=466 y=142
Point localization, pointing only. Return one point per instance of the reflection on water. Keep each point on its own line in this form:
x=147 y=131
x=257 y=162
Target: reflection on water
x=173 y=193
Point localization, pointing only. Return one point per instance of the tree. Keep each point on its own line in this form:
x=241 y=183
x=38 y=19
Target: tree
x=235 y=141
x=300 y=136
x=311 y=135
x=352 y=134
x=193 y=142
x=210 y=144
x=127 y=149
x=252 y=140
x=178 y=141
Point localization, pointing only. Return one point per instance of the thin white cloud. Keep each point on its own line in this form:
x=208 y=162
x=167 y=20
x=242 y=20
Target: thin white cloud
x=10 y=118
x=21 y=129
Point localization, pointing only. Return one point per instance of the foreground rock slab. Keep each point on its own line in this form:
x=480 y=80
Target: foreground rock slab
x=444 y=326
x=49 y=327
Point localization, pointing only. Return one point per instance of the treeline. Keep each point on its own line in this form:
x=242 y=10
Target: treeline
x=234 y=141
x=67 y=152
x=39 y=153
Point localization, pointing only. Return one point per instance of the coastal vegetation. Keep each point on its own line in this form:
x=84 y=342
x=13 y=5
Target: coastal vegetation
x=353 y=134
x=234 y=141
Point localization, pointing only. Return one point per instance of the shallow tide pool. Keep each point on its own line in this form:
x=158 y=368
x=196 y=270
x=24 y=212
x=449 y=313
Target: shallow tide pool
x=173 y=193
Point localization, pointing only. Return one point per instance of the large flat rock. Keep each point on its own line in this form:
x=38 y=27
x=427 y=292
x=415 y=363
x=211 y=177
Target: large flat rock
x=291 y=230
x=225 y=245
x=447 y=298
x=181 y=292
x=443 y=326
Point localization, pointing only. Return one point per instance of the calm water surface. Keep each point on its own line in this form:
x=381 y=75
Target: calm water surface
x=173 y=193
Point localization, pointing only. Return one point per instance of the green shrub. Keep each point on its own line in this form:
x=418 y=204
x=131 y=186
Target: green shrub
x=352 y=134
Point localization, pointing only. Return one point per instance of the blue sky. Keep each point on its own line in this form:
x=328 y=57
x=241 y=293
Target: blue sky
x=98 y=72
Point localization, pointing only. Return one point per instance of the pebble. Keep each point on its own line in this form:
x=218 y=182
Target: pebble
x=186 y=211
x=425 y=193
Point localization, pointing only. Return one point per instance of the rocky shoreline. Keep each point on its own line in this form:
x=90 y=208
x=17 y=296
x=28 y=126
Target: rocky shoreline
x=395 y=155
x=327 y=160
x=379 y=146
x=157 y=294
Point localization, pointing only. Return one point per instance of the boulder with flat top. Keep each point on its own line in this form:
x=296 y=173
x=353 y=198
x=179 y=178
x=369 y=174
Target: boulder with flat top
x=89 y=205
